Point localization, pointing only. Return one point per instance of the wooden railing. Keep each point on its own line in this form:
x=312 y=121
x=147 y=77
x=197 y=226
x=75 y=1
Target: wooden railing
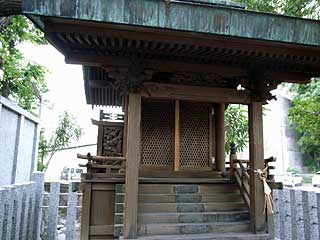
x=242 y=177
x=103 y=166
x=239 y=171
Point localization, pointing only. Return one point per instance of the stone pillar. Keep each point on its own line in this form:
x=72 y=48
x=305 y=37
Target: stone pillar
x=220 y=137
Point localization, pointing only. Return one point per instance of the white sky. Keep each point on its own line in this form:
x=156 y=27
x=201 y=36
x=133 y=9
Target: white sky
x=66 y=91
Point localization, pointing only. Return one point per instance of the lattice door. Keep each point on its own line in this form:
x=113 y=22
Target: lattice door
x=157 y=134
x=194 y=136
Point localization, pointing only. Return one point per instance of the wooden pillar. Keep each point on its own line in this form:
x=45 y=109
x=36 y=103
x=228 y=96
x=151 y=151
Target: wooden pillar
x=177 y=137
x=258 y=218
x=132 y=166
x=220 y=137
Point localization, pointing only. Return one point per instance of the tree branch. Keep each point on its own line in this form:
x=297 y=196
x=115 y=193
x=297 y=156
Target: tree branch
x=10 y=7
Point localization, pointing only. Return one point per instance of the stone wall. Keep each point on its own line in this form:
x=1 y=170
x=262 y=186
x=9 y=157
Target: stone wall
x=18 y=143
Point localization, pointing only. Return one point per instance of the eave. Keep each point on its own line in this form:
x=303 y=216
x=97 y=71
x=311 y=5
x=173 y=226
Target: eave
x=183 y=16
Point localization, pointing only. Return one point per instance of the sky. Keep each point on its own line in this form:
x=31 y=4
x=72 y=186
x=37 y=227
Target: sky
x=66 y=91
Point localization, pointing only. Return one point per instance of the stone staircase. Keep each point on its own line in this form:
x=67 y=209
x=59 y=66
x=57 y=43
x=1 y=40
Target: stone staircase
x=189 y=211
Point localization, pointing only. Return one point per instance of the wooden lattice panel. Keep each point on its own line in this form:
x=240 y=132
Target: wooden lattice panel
x=194 y=135
x=157 y=134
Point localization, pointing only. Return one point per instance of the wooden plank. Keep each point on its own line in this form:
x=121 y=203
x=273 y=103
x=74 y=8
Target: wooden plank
x=102 y=158
x=86 y=211
x=103 y=187
x=101 y=230
x=100 y=141
x=195 y=93
x=132 y=166
x=220 y=137
x=53 y=210
x=97 y=166
x=177 y=136
x=257 y=198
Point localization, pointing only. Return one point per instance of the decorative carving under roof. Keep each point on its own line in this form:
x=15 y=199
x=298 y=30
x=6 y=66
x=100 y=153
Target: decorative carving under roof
x=196 y=79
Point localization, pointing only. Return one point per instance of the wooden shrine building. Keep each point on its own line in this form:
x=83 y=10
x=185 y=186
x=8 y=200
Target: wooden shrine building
x=173 y=67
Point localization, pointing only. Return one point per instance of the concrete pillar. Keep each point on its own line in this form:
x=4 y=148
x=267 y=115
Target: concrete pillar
x=220 y=137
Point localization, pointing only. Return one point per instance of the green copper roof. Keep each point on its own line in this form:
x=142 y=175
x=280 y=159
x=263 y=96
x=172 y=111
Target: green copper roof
x=193 y=16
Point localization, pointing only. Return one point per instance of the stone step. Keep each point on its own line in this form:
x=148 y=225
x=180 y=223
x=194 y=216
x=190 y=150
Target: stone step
x=191 y=207
x=186 y=207
x=193 y=228
x=180 y=180
x=205 y=217
x=189 y=198
x=218 y=236
x=179 y=174
x=188 y=188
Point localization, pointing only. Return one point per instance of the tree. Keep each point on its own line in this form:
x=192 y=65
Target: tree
x=297 y=8
x=17 y=75
x=236 y=122
x=304 y=116
x=67 y=131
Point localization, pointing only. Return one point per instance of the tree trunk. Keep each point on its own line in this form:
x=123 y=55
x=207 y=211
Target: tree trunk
x=10 y=7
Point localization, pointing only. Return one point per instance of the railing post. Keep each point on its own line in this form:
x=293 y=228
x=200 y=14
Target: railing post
x=38 y=178
x=233 y=157
x=71 y=214
x=53 y=210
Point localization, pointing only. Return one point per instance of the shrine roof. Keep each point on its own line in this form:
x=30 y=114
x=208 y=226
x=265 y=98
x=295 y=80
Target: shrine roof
x=202 y=16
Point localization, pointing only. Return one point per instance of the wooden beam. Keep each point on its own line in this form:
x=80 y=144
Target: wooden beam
x=166 y=65
x=132 y=166
x=220 y=138
x=125 y=110
x=195 y=93
x=163 y=65
x=177 y=137
x=258 y=218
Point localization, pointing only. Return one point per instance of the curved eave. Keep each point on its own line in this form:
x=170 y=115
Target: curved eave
x=183 y=16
